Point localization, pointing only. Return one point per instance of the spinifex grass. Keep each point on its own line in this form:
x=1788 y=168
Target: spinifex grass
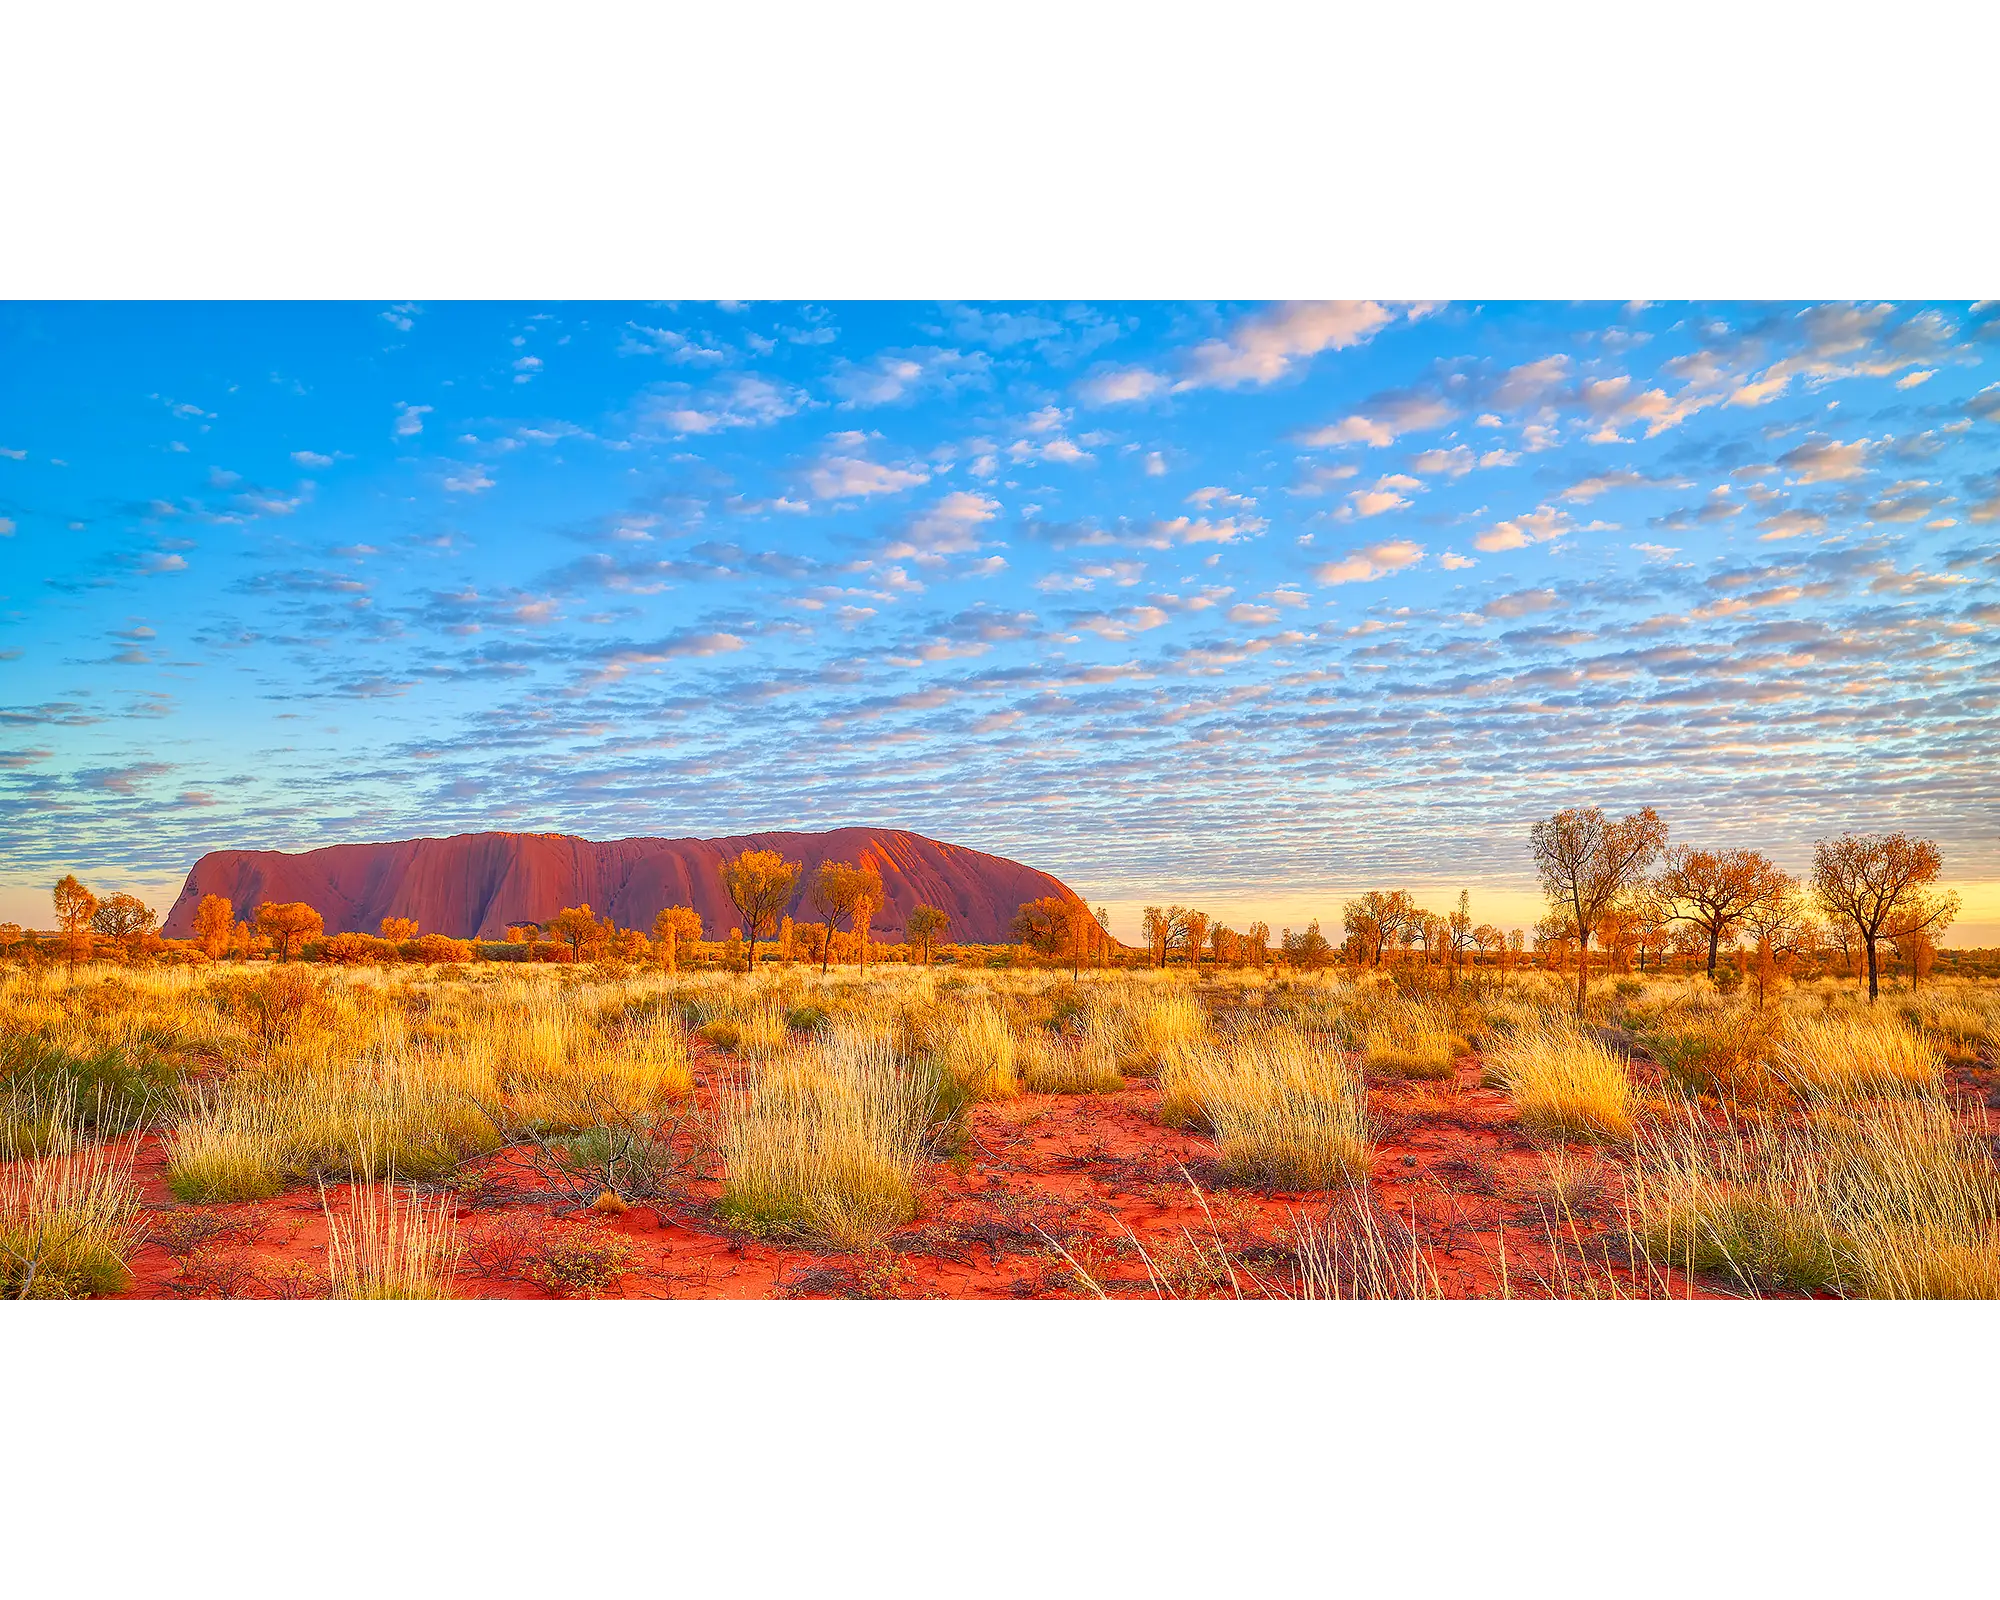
x=390 y=1247
x=1564 y=1083
x=1852 y=1053
x=827 y=1141
x=1155 y=1025
x=1286 y=1112
x=975 y=1050
x=69 y=1220
x=1356 y=1252
x=1409 y=1040
x=1888 y=1198
x=1053 y=1064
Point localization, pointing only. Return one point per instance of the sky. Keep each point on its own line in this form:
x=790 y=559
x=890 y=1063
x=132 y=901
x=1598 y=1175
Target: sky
x=1245 y=606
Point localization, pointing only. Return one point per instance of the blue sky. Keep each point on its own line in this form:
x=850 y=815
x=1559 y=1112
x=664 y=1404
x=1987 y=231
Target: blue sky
x=1245 y=605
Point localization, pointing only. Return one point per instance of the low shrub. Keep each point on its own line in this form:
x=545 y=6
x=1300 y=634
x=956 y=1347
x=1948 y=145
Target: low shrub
x=1563 y=1082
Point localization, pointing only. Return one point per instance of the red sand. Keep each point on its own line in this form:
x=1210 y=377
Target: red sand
x=1094 y=1172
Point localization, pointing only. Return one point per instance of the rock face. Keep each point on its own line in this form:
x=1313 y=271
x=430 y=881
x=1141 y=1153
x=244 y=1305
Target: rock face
x=473 y=885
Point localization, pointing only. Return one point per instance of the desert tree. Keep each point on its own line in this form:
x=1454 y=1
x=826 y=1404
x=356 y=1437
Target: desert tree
x=1194 y=936
x=578 y=927
x=1587 y=864
x=868 y=899
x=1714 y=890
x=1874 y=882
x=835 y=887
x=1459 y=931
x=1101 y=915
x=1055 y=926
x=1222 y=945
x=1379 y=920
x=1915 y=948
x=1162 y=926
x=75 y=906
x=670 y=927
x=1307 y=951
x=213 y=922
x=924 y=924
x=288 y=924
x=1257 y=945
x=126 y=920
x=399 y=930
x=760 y=884
x=1488 y=940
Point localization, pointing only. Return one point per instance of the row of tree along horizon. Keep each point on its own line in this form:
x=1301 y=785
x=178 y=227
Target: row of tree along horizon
x=1616 y=885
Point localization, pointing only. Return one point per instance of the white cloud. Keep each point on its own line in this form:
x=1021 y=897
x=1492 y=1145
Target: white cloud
x=951 y=527
x=1201 y=530
x=743 y=401
x=845 y=477
x=1911 y=379
x=1373 y=502
x=1516 y=533
x=1821 y=460
x=467 y=480
x=409 y=419
x=311 y=458
x=895 y=375
x=1263 y=347
x=1215 y=495
x=1521 y=603
x=1371 y=562
x=1588 y=489
x=1387 y=419
x=1790 y=525
x=1118 y=385
x=1455 y=462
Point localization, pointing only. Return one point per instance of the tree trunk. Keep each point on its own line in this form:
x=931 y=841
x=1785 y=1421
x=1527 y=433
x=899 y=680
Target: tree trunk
x=826 y=947
x=1873 y=986
x=1582 y=971
x=750 y=961
x=1714 y=936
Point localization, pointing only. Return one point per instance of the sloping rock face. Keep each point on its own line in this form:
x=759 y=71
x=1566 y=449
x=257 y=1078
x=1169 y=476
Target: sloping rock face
x=473 y=885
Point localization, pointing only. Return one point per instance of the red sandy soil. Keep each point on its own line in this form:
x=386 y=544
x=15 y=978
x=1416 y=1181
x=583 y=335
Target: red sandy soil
x=1095 y=1172
x=473 y=885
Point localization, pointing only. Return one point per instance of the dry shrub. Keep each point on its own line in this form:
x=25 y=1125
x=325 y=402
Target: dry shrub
x=1285 y=1111
x=579 y=1262
x=232 y=1150
x=501 y=1247
x=1884 y=1198
x=975 y=1050
x=1155 y=1026
x=1723 y=1051
x=391 y=1248
x=1410 y=1040
x=1058 y=1065
x=1564 y=1083
x=827 y=1142
x=1358 y=1251
x=69 y=1222
x=1855 y=1053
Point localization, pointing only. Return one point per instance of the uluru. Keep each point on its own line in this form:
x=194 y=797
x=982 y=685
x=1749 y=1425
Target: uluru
x=474 y=885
